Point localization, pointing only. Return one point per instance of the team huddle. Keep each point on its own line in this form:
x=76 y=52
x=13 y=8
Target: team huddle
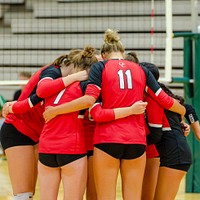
x=89 y=115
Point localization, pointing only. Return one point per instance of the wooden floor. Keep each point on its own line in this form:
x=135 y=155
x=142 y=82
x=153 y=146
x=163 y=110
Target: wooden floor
x=6 y=192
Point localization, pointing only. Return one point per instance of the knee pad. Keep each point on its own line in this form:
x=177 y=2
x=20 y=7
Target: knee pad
x=23 y=196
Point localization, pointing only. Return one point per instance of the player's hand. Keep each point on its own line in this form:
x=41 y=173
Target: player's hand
x=138 y=107
x=49 y=113
x=81 y=76
x=7 y=108
x=185 y=128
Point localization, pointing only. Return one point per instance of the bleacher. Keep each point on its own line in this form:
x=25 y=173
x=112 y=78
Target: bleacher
x=34 y=32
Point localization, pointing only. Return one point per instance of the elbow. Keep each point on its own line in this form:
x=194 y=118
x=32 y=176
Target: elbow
x=96 y=118
x=178 y=108
x=39 y=92
x=42 y=93
x=89 y=101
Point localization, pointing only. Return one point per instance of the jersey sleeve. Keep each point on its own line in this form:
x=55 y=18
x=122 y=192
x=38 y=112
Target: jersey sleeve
x=190 y=114
x=50 y=82
x=101 y=115
x=161 y=97
x=25 y=105
x=156 y=92
x=154 y=120
x=95 y=79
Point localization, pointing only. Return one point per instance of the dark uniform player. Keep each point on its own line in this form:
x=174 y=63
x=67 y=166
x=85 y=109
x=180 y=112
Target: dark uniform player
x=166 y=131
x=193 y=120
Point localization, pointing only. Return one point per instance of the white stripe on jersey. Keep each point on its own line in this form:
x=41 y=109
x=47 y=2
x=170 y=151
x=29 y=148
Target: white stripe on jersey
x=155 y=125
x=166 y=129
x=59 y=96
x=158 y=91
x=30 y=103
x=96 y=86
x=44 y=78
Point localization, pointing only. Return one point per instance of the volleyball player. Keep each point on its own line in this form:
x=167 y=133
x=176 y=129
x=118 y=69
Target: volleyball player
x=154 y=120
x=62 y=149
x=175 y=155
x=152 y=156
x=22 y=128
x=89 y=128
x=152 y=165
x=119 y=144
x=193 y=120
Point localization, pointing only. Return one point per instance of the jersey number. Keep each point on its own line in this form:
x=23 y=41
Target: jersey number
x=128 y=79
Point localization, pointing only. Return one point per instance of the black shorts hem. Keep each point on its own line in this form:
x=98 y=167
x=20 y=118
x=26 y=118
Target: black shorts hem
x=11 y=137
x=122 y=151
x=58 y=160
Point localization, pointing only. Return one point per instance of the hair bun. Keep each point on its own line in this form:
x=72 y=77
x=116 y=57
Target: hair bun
x=111 y=36
x=88 y=52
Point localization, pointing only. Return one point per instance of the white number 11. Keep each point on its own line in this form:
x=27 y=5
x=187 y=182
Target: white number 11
x=128 y=78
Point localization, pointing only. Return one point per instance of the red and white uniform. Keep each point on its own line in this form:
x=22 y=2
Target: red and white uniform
x=122 y=83
x=28 y=110
x=157 y=122
x=64 y=134
x=89 y=128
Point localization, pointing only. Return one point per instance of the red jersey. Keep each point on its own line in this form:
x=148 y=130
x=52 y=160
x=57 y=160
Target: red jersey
x=89 y=128
x=28 y=118
x=156 y=122
x=121 y=84
x=63 y=134
x=156 y=115
x=29 y=123
x=151 y=151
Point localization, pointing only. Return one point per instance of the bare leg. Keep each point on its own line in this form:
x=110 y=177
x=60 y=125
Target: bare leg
x=91 y=189
x=35 y=166
x=168 y=183
x=74 y=177
x=21 y=167
x=49 y=180
x=150 y=178
x=132 y=172
x=106 y=170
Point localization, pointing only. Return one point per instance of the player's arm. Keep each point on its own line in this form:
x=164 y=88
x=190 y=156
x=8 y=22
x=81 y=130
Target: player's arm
x=100 y=114
x=27 y=104
x=193 y=120
x=23 y=106
x=51 y=82
x=156 y=92
x=154 y=120
x=91 y=95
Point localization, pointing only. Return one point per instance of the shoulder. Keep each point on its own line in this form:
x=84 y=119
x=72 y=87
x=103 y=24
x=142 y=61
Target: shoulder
x=51 y=71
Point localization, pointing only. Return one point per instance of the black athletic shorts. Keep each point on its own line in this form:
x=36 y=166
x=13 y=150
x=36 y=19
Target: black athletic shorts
x=58 y=160
x=122 y=151
x=182 y=167
x=174 y=151
x=11 y=137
